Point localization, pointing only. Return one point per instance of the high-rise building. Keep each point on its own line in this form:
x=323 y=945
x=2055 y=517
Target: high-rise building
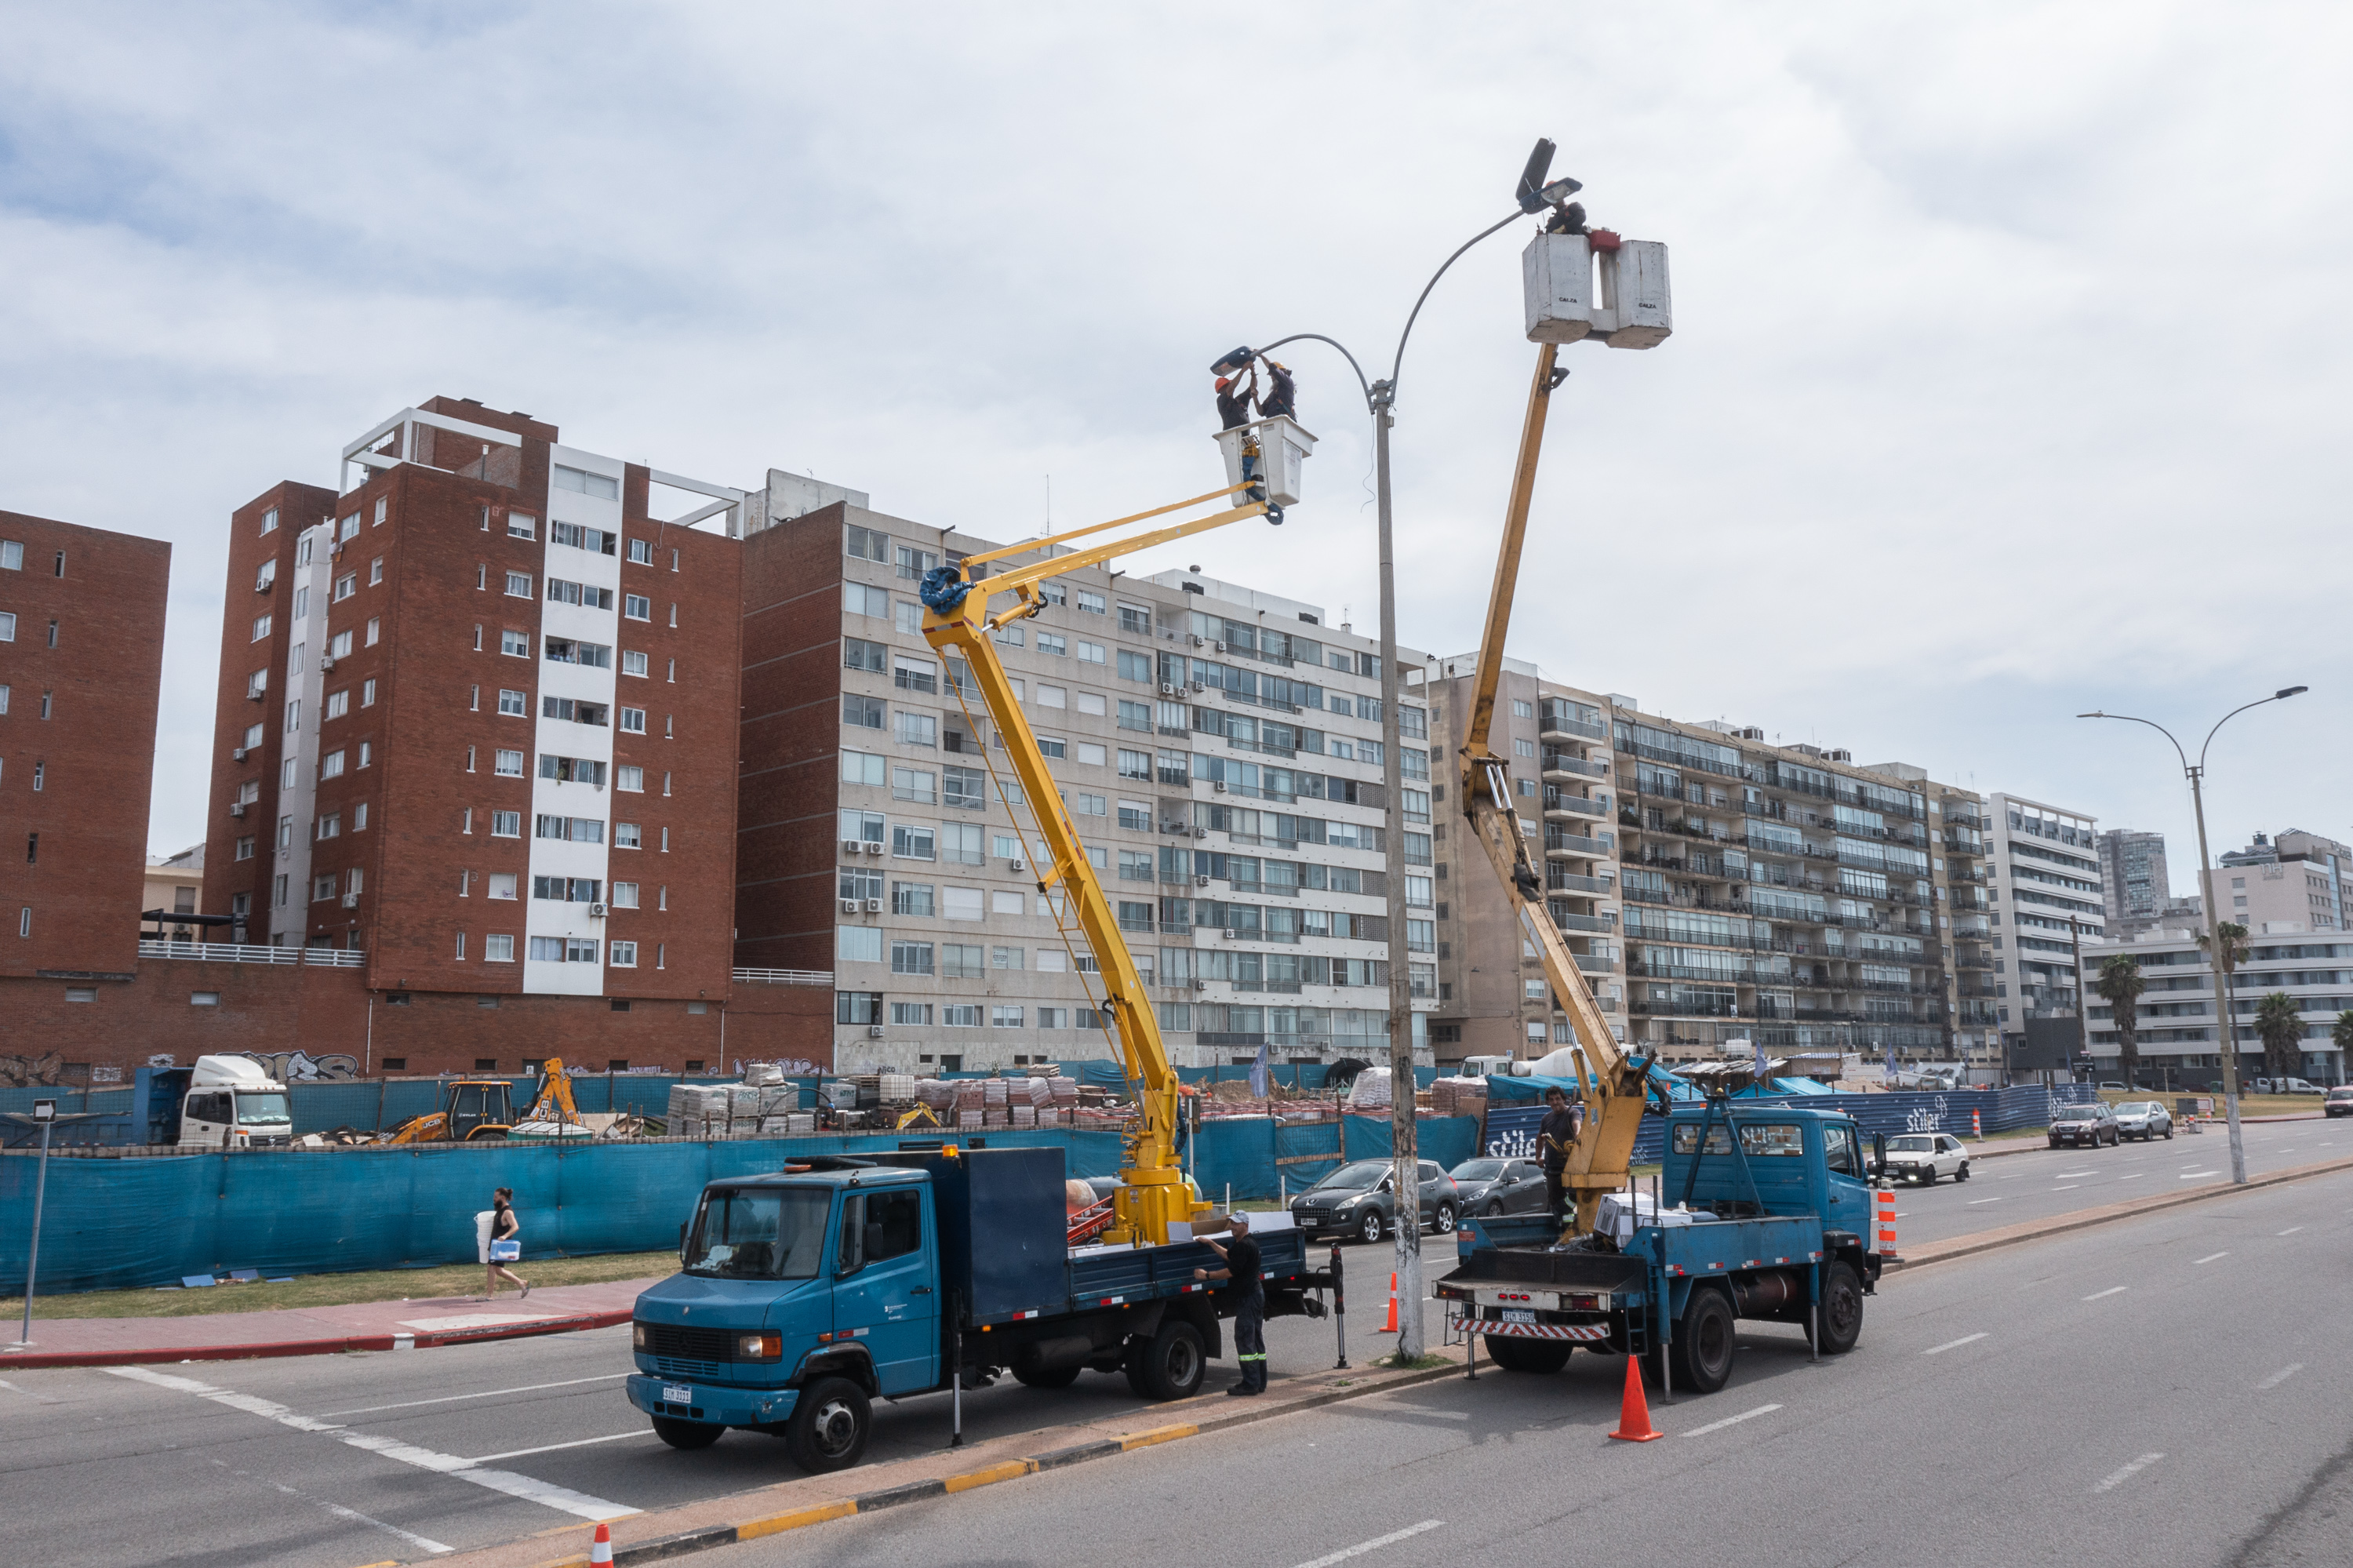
x=2299 y=882
x=1217 y=746
x=1715 y=887
x=2047 y=888
x=2133 y=878
x=81 y=664
x=476 y=720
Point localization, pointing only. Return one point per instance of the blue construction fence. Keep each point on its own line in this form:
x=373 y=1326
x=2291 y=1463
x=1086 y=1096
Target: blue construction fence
x=127 y=1222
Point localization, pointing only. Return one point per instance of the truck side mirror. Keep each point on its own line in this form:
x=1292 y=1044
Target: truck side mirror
x=1878 y=1152
x=681 y=1243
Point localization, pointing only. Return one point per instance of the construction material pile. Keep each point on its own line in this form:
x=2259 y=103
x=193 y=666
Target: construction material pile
x=1458 y=1097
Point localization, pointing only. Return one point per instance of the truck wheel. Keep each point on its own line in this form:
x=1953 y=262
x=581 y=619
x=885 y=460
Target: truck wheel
x=688 y=1435
x=1047 y=1377
x=1173 y=1363
x=1370 y=1226
x=1703 y=1343
x=1842 y=1309
x=1514 y=1355
x=829 y=1425
x=1132 y=1369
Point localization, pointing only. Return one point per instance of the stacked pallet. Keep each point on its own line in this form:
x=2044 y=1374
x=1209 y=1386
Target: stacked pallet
x=698 y=1110
x=1065 y=1092
x=1024 y=1115
x=1370 y=1091
x=895 y=1088
x=1458 y=1097
x=936 y=1093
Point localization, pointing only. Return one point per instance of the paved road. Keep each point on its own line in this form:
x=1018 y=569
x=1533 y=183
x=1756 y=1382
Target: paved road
x=2036 y=1185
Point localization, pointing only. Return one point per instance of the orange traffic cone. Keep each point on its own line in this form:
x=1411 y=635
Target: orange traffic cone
x=601 y=1551
x=1391 y=1326
x=1634 y=1413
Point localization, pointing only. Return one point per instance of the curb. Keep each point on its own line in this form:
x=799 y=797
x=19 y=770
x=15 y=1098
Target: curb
x=2083 y=1219
x=678 y=1544
x=334 y=1345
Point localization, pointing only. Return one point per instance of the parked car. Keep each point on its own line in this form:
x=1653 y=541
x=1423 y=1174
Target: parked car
x=2091 y=1124
x=2297 y=1087
x=2144 y=1119
x=1356 y=1199
x=1921 y=1157
x=2339 y=1101
x=1500 y=1186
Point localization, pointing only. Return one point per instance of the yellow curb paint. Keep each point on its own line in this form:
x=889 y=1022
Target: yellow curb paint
x=778 y=1523
x=1157 y=1434
x=1012 y=1469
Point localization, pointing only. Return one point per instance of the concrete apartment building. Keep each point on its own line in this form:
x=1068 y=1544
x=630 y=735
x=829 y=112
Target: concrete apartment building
x=1220 y=750
x=2177 y=1030
x=2133 y=882
x=1714 y=886
x=81 y=662
x=2299 y=882
x=175 y=887
x=2048 y=892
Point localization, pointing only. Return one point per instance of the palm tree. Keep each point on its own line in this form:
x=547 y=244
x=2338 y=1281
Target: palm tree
x=2281 y=1027
x=2120 y=983
x=2342 y=1035
x=2226 y=963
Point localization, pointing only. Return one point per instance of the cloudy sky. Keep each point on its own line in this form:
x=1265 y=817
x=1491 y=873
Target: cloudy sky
x=2006 y=372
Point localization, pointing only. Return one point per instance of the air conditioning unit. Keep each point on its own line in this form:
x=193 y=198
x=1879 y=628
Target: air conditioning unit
x=1017 y=863
x=1197 y=638
x=1201 y=882
x=849 y=846
x=1169 y=688
x=873 y=846
x=237 y=753
x=351 y=900
x=236 y=809
x=1200 y=985
x=253 y=696
x=327 y=662
x=1221 y=645
x=874 y=907
x=1219 y=786
x=1200 y=832
x=1200 y=685
x=849 y=905
x=595 y=911
x=874 y=1032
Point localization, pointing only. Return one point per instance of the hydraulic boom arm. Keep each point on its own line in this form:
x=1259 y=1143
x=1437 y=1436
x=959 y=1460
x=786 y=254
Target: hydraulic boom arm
x=958 y=623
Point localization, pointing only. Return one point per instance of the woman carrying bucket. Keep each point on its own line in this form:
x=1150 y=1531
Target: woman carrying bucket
x=503 y=1248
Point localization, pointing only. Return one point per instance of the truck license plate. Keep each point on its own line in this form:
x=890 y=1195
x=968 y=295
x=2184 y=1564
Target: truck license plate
x=677 y=1394
x=1517 y=1315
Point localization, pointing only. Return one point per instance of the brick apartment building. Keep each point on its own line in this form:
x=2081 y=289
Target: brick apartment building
x=81 y=661
x=1219 y=748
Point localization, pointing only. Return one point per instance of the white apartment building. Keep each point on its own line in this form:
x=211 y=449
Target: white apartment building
x=2045 y=884
x=2178 y=1033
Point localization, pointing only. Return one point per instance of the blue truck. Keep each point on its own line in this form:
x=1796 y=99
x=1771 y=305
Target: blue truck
x=1759 y=1210
x=806 y=1295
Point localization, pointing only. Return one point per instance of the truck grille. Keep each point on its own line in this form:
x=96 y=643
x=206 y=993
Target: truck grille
x=676 y=1340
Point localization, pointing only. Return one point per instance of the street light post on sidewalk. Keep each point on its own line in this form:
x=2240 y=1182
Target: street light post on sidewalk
x=2216 y=955
x=46 y=1113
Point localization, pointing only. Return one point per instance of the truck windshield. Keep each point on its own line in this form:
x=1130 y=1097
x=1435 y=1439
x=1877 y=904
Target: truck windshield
x=263 y=1110
x=760 y=1232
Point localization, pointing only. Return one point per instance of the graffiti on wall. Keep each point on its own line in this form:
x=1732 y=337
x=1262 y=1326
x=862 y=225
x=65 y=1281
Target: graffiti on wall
x=22 y=1071
x=301 y=1067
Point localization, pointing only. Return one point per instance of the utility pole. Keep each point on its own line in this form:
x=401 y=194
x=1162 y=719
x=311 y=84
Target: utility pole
x=46 y=1113
x=2083 y=1008
x=1404 y=1140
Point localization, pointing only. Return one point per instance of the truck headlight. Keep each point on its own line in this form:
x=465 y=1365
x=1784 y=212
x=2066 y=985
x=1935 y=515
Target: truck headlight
x=637 y=1335
x=759 y=1347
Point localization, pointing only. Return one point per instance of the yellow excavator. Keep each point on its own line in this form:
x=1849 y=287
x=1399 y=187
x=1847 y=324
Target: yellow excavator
x=480 y=1110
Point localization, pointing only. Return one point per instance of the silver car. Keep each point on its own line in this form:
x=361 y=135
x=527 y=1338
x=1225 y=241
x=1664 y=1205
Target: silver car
x=2144 y=1119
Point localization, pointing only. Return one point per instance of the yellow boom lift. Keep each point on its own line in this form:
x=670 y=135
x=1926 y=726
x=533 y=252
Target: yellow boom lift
x=959 y=622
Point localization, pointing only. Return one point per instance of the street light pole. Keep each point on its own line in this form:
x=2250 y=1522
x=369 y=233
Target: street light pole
x=2217 y=955
x=45 y=1112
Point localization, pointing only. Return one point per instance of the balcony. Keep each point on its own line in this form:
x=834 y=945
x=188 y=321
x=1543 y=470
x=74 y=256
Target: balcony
x=1562 y=762
x=1572 y=806
x=1593 y=966
x=1562 y=882
x=1585 y=922
x=1573 y=844
x=1561 y=727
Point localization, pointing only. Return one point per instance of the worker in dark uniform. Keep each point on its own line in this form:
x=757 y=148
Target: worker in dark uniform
x=1249 y=1296
x=1555 y=1136
x=1234 y=401
x=1281 y=398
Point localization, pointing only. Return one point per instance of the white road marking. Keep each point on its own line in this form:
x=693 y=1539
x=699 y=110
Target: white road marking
x=2194 y=1175
x=1731 y=1421
x=2110 y=1290
x=29 y=1393
x=2128 y=1472
x=486 y=1394
x=562 y=1499
x=1902 y=1214
x=2212 y=1256
x=2068 y=1188
x=1952 y=1345
x=2290 y=1230
x=1375 y=1545
x=585 y=1442
x=1973 y=1203
x=2282 y=1376
x=2070 y=1175
x=2134 y=1177
x=423 y=1543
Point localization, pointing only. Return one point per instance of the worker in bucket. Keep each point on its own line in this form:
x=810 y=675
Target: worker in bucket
x=1248 y=1294
x=1234 y=409
x=1281 y=398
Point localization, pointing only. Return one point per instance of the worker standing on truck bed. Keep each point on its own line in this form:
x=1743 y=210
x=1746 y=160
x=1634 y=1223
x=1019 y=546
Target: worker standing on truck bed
x=1555 y=1136
x=1249 y=1296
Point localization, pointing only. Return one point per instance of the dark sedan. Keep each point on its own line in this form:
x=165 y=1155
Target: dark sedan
x=1356 y=1200
x=1500 y=1186
x=2091 y=1124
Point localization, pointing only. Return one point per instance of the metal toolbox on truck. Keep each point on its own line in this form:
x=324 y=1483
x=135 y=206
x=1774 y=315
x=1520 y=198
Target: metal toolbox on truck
x=1001 y=1228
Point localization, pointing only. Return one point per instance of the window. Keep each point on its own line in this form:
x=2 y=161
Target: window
x=375 y=571
x=909 y=842
x=858 y=882
x=960 y=844
x=339 y=646
x=907 y=616
x=637 y=607
x=1134 y=666
x=503 y=884
x=1005 y=1018
x=911 y=1012
x=346 y=585
x=586 y=595
x=514 y=705
x=518 y=643
x=857 y=653
x=1003 y=902
x=1091 y=653
x=330 y=825
x=864 y=713
x=629 y=778
x=1007 y=957
x=911 y=674
x=1051 y=642
x=642 y=552
x=633 y=721
x=962 y=960
x=245 y=847
x=521 y=525
x=858 y=944
x=1135 y=815
x=960 y=1016
x=572 y=769
x=1092 y=805
x=633 y=664
x=260 y=627
x=567 y=889
x=910 y=958
x=911 y=898
x=375 y=629
x=622 y=955
x=564 y=950
x=864 y=543
x=581 y=482
x=1092 y=603
x=506 y=825
x=1135 y=764
x=918 y=729
x=913 y=784
x=572 y=709
x=862 y=767
x=857 y=599
x=1053 y=696
x=7 y=627
x=914 y=563
x=332 y=765
x=564 y=650
x=338 y=703
x=961 y=904
x=964 y=788
x=626 y=835
x=497 y=949
x=1135 y=715
x=507 y=765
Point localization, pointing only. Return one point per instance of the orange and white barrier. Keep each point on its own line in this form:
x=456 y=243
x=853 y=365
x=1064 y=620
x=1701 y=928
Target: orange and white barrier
x=600 y=1550
x=1887 y=1222
x=1391 y=1326
x=1977 y=1127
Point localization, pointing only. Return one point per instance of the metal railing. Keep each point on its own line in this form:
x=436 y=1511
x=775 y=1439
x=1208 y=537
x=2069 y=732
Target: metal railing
x=253 y=953
x=784 y=977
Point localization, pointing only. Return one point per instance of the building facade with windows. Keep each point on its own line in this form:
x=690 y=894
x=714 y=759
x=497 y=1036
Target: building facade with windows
x=2177 y=1027
x=1219 y=748
x=476 y=723
x=2047 y=885
x=1715 y=887
x=81 y=664
x=2299 y=882
x=2134 y=881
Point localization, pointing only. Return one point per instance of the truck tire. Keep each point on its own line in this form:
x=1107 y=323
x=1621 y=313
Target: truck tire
x=1047 y=1377
x=688 y=1434
x=1172 y=1363
x=1514 y=1354
x=829 y=1425
x=1842 y=1309
x=1132 y=1369
x=1703 y=1343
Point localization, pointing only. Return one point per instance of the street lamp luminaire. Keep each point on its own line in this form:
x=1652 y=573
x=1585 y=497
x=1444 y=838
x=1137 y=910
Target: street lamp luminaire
x=2216 y=956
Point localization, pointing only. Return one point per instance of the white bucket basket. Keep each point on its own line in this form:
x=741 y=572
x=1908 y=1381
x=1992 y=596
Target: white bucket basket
x=1284 y=447
x=1573 y=291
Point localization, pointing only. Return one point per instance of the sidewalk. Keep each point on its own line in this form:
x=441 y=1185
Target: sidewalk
x=324 y=1330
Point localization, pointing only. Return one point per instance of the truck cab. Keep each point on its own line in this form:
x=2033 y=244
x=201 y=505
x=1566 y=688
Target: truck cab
x=231 y=1103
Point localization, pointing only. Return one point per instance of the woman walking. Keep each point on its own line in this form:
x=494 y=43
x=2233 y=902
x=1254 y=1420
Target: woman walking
x=504 y=1248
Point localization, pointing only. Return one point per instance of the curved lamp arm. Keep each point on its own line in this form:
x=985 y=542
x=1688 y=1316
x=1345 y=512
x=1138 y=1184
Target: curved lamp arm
x=1398 y=362
x=2161 y=730
x=1370 y=403
x=2280 y=696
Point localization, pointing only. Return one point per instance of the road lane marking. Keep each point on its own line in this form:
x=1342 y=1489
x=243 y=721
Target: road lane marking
x=1902 y=1214
x=2110 y=1290
x=29 y=1393
x=583 y=1443
x=2128 y=1472
x=2070 y=1175
x=486 y=1394
x=562 y=1499
x=2290 y=1230
x=2282 y=1376
x=1973 y=1203
x=1375 y=1545
x=2068 y=1188
x=1952 y=1345
x=2134 y=1177
x=422 y=1542
x=1731 y=1421
x=2196 y=1175
x=2211 y=1256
